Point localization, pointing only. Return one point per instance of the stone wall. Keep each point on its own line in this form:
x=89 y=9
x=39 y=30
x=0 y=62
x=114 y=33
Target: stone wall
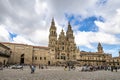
x=3 y=60
x=18 y=50
x=41 y=55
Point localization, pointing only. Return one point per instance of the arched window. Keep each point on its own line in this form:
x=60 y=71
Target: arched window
x=62 y=47
x=40 y=58
x=35 y=58
x=54 y=32
x=63 y=56
x=44 y=58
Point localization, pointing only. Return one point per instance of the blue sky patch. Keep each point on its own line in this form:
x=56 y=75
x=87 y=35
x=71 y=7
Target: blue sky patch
x=84 y=48
x=112 y=49
x=88 y=25
x=84 y=25
x=12 y=35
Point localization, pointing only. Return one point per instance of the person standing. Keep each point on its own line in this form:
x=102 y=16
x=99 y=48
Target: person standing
x=116 y=68
x=65 y=68
x=111 y=68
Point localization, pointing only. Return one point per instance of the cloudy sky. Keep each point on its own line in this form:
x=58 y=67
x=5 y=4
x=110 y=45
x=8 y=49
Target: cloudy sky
x=93 y=21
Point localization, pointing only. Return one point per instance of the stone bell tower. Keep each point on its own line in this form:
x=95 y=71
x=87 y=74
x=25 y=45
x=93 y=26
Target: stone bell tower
x=52 y=41
x=52 y=35
x=69 y=34
x=71 y=46
x=100 y=48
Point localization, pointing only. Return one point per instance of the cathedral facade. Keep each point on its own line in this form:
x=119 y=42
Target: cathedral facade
x=60 y=49
x=63 y=47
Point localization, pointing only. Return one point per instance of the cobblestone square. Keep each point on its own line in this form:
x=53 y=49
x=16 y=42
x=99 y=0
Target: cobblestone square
x=57 y=73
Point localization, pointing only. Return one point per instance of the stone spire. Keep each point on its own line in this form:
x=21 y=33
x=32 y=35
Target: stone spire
x=100 y=48
x=69 y=26
x=69 y=33
x=53 y=34
x=53 y=28
x=53 y=23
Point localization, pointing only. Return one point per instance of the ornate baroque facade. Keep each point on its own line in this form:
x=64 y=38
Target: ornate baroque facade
x=64 y=48
x=60 y=50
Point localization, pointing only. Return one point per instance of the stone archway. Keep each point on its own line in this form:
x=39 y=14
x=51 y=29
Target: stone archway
x=48 y=62
x=4 y=62
x=22 y=59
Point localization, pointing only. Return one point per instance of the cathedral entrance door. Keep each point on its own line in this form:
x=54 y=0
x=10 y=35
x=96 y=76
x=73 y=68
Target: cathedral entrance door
x=22 y=59
x=48 y=62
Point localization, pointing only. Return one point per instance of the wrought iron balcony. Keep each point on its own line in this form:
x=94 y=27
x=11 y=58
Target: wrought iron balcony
x=4 y=54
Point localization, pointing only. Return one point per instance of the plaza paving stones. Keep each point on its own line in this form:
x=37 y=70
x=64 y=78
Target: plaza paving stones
x=57 y=73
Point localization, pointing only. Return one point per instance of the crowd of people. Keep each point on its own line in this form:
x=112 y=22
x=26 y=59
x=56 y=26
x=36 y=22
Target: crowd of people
x=95 y=68
x=69 y=67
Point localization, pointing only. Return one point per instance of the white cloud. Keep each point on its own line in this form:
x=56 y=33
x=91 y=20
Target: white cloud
x=85 y=38
x=32 y=19
x=20 y=39
x=39 y=37
x=40 y=7
x=111 y=25
x=4 y=34
x=114 y=52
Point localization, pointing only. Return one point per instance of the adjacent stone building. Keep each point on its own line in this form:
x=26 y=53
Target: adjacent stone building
x=28 y=54
x=60 y=49
x=21 y=53
x=5 y=53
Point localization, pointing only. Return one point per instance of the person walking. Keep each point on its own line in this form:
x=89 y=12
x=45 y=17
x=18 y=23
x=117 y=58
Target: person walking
x=32 y=67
